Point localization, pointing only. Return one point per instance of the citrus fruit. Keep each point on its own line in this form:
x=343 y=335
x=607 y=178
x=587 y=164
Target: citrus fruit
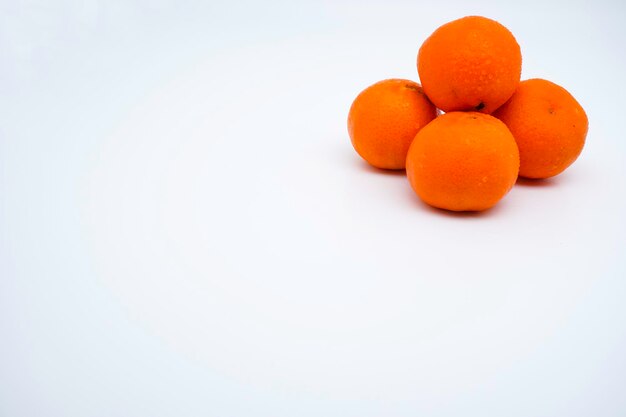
x=463 y=161
x=470 y=64
x=549 y=125
x=385 y=117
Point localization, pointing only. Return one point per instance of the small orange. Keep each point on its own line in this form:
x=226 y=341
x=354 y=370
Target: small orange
x=384 y=119
x=549 y=125
x=463 y=161
x=472 y=63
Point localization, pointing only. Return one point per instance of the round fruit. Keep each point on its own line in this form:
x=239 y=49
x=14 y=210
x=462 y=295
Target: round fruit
x=549 y=125
x=470 y=64
x=463 y=162
x=384 y=119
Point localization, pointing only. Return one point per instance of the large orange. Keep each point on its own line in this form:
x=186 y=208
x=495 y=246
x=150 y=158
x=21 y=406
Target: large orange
x=470 y=64
x=549 y=125
x=463 y=161
x=384 y=119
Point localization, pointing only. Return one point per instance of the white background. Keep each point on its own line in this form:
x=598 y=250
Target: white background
x=185 y=229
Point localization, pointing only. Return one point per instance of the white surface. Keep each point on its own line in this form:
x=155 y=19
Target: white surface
x=185 y=229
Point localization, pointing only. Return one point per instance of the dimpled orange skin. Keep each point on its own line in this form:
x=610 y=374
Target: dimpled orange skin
x=463 y=161
x=549 y=125
x=384 y=119
x=470 y=64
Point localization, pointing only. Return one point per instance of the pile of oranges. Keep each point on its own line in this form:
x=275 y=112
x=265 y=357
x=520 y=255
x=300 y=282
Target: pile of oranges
x=472 y=127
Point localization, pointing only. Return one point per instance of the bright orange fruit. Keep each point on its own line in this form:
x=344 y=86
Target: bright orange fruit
x=463 y=161
x=470 y=64
x=549 y=125
x=384 y=119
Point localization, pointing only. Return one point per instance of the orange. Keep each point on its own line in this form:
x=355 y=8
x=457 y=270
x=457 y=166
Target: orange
x=470 y=64
x=384 y=119
x=463 y=161
x=549 y=125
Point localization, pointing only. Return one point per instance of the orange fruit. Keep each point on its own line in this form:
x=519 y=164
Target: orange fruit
x=549 y=125
x=470 y=64
x=463 y=161
x=384 y=119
